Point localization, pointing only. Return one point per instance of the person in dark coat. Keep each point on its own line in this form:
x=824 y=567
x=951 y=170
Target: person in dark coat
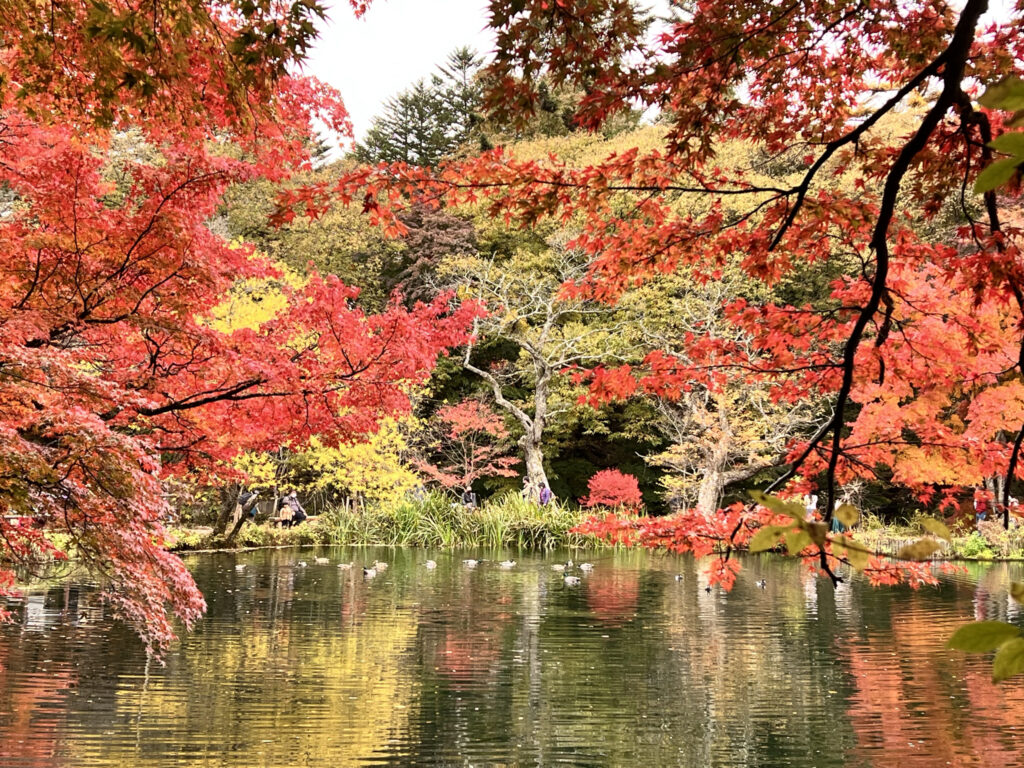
x=298 y=512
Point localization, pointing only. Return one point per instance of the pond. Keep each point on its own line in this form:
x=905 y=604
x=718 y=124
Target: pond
x=313 y=665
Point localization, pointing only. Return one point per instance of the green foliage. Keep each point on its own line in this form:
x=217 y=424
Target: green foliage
x=982 y=636
x=316 y=530
x=433 y=521
x=340 y=242
x=766 y=538
x=985 y=636
x=1008 y=95
x=438 y=521
x=973 y=547
x=922 y=549
x=936 y=527
x=187 y=539
x=431 y=120
x=847 y=515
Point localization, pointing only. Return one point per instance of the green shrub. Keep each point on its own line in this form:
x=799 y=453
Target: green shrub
x=438 y=521
x=187 y=538
x=974 y=546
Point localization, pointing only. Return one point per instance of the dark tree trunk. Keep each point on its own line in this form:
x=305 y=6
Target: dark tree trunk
x=246 y=509
x=228 y=499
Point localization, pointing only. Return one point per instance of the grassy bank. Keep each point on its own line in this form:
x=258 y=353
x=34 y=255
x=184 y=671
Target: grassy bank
x=504 y=521
x=988 y=541
x=510 y=522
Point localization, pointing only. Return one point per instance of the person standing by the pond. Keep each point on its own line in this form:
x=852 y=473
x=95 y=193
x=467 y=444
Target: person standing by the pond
x=812 y=505
x=981 y=504
x=298 y=511
x=837 y=524
x=545 y=494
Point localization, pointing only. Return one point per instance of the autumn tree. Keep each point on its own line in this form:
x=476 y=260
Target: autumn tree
x=114 y=370
x=723 y=426
x=545 y=334
x=612 y=488
x=432 y=235
x=468 y=442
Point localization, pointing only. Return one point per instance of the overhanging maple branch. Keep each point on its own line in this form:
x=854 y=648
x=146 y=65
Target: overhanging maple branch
x=955 y=59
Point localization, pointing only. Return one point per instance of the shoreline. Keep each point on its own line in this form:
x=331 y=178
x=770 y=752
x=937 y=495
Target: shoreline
x=884 y=541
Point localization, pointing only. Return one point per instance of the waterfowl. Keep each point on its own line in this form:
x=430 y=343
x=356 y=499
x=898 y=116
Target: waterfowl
x=302 y=563
x=506 y=564
x=708 y=589
x=369 y=573
x=379 y=566
x=586 y=567
x=470 y=563
x=558 y=567
x=430 y=565
x=572 y=581
x=321 y=560
x=569 y=563
x=345 y=566
x=762 y=583
x=679 y=577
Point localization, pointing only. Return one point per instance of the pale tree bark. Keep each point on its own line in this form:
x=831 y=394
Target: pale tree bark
x=712 y=485
x=532 y=424
x=526 y=307
x=710 y=455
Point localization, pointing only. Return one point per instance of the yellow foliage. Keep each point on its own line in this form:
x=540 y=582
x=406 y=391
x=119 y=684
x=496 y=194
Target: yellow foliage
x=261 y=469
x=373 y=470
x=253 y=302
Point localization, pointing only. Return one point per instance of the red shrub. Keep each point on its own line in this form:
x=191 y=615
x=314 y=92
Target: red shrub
x=612 y=488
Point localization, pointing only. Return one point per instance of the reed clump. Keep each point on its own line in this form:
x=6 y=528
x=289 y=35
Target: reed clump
x=435 y=520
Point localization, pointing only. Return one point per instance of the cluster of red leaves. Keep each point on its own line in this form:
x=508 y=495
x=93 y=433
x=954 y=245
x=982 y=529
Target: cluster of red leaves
x=469 y=444
x=731 y=530
x=612 y=488
x=113 y=373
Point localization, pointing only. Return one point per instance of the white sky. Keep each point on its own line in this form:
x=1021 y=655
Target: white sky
x=396 y=43
x=400 y=41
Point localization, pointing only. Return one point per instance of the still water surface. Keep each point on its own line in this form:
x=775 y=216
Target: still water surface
x=297 y=666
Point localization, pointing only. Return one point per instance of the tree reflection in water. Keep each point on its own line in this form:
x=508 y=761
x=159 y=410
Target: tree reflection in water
x=296 y=666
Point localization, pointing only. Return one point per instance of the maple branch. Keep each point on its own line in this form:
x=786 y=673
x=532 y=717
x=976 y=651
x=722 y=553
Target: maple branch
x=233 y=393
x=954 y=58
x=852 y=137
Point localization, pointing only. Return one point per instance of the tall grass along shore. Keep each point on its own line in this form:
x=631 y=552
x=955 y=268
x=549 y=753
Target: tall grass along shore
x=433 y=521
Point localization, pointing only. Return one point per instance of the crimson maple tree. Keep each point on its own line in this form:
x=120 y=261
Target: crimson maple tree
x=114 y=374
x=470 y=443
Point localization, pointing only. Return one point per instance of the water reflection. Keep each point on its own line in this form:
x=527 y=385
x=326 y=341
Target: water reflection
x=637 y=665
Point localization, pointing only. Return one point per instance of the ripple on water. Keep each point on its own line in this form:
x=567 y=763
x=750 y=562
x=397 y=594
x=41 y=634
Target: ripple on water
x=317 y=665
